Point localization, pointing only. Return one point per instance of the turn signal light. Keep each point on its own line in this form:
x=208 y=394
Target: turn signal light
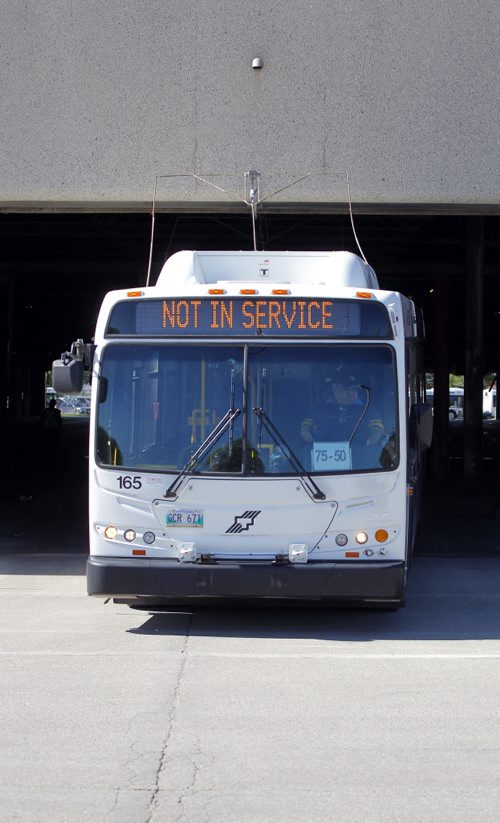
x=381 y=535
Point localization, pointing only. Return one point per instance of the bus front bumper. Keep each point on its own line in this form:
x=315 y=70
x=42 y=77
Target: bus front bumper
x=164 y=581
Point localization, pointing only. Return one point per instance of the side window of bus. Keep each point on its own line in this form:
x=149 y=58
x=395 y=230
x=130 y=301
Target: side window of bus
x=420 y=426
x=103 y=390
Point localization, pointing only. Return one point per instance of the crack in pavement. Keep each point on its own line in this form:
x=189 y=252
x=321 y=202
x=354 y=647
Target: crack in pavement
x=153 y=803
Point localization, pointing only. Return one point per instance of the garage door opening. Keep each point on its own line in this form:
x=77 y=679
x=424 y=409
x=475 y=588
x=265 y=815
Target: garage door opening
x=56 y=269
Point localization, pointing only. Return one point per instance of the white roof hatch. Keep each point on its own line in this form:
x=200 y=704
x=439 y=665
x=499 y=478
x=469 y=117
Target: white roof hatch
x=340 y=268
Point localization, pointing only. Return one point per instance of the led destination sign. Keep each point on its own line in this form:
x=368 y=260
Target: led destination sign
x=228 y=316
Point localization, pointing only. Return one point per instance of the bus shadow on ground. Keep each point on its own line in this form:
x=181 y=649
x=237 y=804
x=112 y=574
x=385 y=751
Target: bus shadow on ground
x=448 y=599
x=340 y=625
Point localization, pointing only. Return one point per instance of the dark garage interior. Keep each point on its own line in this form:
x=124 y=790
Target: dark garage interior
x=56 y=268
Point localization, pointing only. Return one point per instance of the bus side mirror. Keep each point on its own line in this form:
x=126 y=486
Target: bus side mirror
x=67 y=373
x=67 y=376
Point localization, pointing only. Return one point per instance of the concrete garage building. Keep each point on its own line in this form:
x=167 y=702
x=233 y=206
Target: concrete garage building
x=100 y=98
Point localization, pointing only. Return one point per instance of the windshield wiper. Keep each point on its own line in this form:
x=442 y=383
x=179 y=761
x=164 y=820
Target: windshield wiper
x=292 y=458
x=226 y=422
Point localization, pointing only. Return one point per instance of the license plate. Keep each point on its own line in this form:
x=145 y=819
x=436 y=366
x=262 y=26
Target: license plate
x=185 y=518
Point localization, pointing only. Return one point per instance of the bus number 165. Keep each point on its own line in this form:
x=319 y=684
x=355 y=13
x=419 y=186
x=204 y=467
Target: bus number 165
x=127 y=482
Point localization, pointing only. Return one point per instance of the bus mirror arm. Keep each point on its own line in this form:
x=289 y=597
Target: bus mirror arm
x=81 y=351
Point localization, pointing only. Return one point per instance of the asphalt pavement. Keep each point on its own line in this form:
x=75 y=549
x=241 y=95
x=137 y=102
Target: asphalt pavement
x=255 y=715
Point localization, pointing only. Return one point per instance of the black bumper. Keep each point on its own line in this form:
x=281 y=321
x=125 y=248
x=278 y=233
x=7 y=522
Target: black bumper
x=167 y=581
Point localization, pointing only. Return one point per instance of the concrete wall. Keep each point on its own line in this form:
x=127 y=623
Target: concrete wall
x=99 y=96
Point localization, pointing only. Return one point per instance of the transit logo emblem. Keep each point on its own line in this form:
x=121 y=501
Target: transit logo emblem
x=242 y=522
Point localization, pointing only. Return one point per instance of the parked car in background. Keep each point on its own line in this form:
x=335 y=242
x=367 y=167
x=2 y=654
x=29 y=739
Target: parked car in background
x=82 y=405
x=66 y=406
x=74 y=405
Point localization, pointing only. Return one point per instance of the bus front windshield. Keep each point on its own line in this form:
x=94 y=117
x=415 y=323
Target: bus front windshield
x=326 y=408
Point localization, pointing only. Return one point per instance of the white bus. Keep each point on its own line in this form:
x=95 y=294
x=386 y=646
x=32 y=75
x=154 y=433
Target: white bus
x=220 y=466
x=455 y=400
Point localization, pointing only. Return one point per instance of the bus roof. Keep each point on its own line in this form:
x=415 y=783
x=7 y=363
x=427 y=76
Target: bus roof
x=336 y=268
